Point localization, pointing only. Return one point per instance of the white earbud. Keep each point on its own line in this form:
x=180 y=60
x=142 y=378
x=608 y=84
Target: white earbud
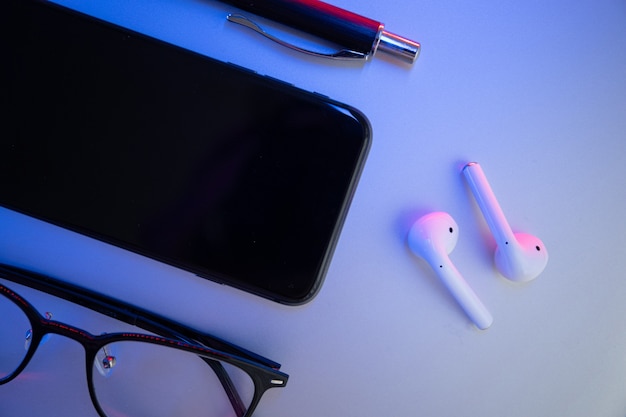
x=519 y=256
x=433 y=237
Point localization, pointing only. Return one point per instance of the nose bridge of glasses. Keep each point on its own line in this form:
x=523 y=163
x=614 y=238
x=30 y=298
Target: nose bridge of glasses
x=45 y=326
x=29 y=334
x=67 y=330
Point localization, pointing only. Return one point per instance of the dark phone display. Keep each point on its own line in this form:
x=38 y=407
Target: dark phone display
x=196 y=163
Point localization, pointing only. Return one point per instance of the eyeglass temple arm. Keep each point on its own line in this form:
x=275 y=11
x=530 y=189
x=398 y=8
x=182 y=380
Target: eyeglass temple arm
x=185 y=333
x=125 y=312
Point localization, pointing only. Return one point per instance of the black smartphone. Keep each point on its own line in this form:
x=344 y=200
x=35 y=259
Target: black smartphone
x=237 y=177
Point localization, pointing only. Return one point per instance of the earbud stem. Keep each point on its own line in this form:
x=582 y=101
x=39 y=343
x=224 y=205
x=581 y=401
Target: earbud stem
x=432 y=237
x=464 y=295
x=488 y=204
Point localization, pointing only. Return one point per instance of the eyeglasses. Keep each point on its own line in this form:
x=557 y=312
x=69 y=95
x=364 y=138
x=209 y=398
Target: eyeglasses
x=174 y=371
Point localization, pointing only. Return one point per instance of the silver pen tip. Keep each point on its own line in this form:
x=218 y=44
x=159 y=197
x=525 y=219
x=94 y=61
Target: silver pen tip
x=398 y=46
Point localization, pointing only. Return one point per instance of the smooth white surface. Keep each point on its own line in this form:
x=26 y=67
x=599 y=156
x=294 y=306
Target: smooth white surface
x=536 y=92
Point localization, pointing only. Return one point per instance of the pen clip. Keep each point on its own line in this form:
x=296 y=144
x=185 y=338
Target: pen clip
x=340 y=54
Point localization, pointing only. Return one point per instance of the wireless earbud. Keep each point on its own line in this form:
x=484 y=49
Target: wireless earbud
x=519 y=256
x=433 y=237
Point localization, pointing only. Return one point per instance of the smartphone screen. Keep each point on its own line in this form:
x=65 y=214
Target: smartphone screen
x=203 y=165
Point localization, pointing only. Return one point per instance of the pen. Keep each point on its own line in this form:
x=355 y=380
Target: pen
x=360 y=36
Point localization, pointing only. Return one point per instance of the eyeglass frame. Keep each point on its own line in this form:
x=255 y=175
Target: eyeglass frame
x=264 y=373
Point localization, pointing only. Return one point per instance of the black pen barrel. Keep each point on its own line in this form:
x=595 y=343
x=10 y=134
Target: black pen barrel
x=324 y=20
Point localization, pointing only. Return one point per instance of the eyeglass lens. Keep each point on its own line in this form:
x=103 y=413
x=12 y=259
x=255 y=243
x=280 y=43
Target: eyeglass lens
x=15 y=337
x=135 y=378
x=132 y=378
